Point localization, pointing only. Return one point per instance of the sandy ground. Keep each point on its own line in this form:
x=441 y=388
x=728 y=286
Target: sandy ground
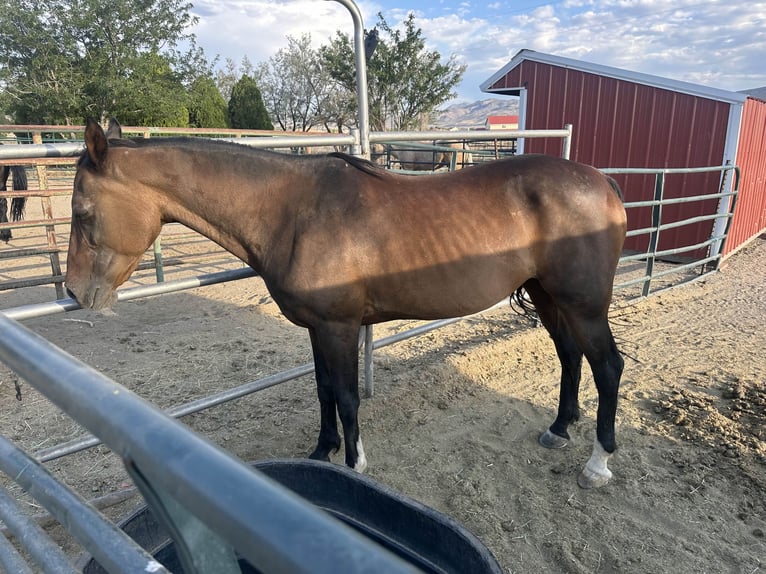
x=456 y=415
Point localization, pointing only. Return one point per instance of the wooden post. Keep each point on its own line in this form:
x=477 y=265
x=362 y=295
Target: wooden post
x=50 y=230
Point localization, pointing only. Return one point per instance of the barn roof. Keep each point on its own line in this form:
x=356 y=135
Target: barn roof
x=608 y=71
x=502 y=119
x=757 y=93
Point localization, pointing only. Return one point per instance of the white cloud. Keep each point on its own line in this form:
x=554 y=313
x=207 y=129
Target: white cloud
x=704 y=42
x=701 y=41
x=259 y=28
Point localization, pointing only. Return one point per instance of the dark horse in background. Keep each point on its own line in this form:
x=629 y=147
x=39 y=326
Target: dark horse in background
x=17 y=203
x=340 y=243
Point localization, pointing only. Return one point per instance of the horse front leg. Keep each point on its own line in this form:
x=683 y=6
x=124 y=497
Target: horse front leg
x=336 y=348
x=329 y=439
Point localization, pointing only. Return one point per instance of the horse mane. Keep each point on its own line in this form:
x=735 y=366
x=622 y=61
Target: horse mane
x=169 y=141
x=363 y=165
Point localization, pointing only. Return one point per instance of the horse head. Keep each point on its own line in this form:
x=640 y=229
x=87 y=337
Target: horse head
x=112 y=224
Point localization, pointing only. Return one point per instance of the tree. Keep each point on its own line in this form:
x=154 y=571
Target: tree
x=246 y=107
x=152 y=95
x=61 y=60
x=337 y=61
x=406 y=82
x=295 y=88
x=230 y=74
x=298 y=91
x=207 y=108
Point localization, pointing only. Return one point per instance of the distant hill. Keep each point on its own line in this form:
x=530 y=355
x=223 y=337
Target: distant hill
x=473 y=115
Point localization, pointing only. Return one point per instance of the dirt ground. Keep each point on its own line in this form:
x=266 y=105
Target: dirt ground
x=456 y=415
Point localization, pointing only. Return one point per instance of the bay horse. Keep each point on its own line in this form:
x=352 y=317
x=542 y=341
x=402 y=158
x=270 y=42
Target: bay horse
x=340 y=243
x=17 y=203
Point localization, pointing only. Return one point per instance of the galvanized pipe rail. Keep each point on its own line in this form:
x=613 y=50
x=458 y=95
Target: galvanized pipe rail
x=62 y=305
x=207 y=402
x=650 y=256
x=89 y=441
x=113 y=549
x=727 y=202
x=182 y=410
x=188 y=481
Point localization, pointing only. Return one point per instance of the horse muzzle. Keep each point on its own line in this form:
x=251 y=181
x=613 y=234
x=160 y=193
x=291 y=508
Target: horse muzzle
x=93 y=296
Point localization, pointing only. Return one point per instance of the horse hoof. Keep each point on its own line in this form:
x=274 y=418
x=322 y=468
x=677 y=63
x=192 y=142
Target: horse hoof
x=550 y=440
x=361 y=465
x=589 y=479
x=317 y=455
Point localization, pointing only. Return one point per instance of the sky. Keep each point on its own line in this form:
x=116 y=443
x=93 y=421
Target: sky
x=714 y=43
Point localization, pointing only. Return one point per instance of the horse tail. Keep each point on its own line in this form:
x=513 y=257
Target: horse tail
x=18 y=204
x=521 y=302
x=616 y=188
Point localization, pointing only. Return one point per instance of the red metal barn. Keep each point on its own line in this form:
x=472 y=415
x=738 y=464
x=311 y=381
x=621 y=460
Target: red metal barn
x=624 y=119
x=750 y=213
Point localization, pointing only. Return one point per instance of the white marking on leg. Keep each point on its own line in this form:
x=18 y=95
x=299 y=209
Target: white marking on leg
x=361 y=459
x=595 y=473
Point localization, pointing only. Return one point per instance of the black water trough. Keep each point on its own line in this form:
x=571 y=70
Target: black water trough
x=423 y=537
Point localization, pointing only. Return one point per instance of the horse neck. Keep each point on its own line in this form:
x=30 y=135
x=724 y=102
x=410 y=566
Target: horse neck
x=241 y=202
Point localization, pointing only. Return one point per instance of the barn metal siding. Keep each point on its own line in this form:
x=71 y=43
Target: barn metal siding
x=619 y=123
x=750 y=214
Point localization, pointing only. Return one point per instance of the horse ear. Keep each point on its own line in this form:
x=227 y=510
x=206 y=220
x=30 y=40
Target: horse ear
x=95 y=142
x=114 y=131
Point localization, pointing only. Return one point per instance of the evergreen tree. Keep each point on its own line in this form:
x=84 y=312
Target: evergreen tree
x=246 y=107
x=207 y=108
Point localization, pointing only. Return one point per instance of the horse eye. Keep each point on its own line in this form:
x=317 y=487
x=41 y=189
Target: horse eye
x=81 y=212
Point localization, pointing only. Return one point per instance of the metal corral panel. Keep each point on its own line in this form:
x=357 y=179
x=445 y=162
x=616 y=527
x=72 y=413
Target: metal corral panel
x=750 y=214
x=619 y=123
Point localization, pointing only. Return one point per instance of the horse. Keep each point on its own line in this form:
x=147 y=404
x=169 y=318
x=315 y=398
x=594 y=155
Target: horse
x=340 y=242
x=18 y=204
x=423 y=159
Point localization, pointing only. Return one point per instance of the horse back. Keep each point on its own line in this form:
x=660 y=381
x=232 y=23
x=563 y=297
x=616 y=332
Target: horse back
x=484 y=231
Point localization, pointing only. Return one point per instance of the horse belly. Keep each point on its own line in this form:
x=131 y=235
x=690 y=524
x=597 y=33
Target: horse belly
x=444 y=291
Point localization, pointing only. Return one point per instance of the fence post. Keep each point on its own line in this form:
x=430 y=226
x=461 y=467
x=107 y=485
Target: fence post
x=363 y=124
x=159 y=270
x=369 y=381
x=567 y=145
x=360 y=62
x=725 y=208
x=50 y=230
x=654 y=236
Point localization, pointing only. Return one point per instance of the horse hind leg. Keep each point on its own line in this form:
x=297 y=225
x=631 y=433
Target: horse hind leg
x=595 y=339
x=578 y=330
x=5 y=234
x=607 y=366
x=18 y=206
x=570 y=357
